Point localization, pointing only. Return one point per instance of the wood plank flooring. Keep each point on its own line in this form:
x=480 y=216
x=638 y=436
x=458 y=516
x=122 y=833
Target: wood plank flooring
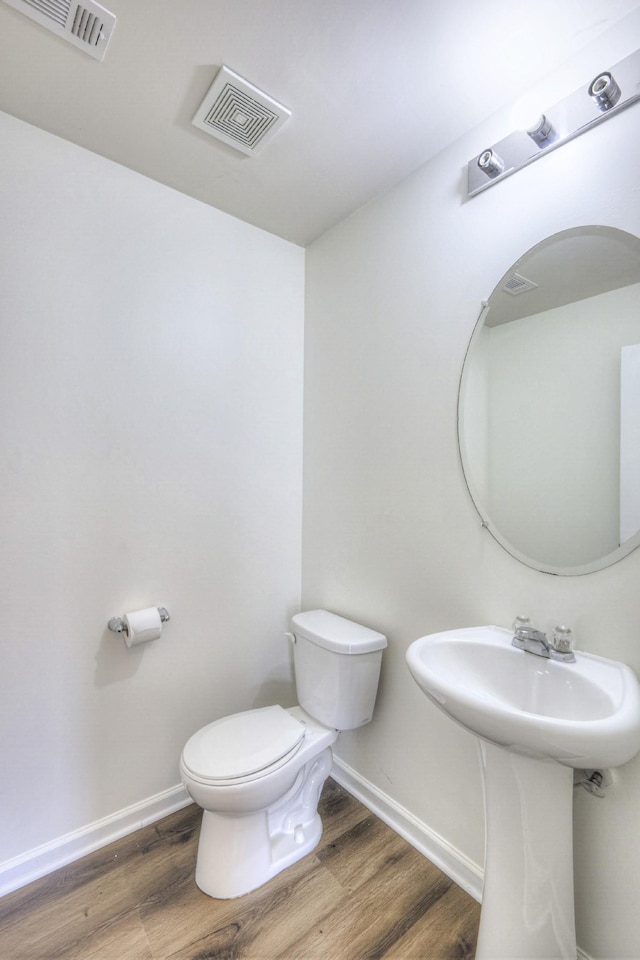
x=362 y=894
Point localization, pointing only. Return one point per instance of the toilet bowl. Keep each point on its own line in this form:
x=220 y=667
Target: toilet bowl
x=258 y=774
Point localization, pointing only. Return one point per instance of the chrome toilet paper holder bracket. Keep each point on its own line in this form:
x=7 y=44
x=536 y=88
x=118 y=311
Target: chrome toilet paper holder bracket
x=117 y=624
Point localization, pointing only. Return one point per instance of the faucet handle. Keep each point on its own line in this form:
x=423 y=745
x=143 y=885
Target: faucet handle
x=521 y=623
x=562 y=639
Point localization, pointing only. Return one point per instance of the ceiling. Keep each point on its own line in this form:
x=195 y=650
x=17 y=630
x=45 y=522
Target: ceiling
x=567 y=267
x=375 y=87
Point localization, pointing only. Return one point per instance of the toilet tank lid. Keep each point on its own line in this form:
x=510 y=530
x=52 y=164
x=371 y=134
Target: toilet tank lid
x=335 y=633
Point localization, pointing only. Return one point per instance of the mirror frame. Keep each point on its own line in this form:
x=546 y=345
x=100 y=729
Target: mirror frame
x=487 y=523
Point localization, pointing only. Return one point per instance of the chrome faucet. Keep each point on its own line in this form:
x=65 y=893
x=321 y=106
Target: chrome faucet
x=534 y=641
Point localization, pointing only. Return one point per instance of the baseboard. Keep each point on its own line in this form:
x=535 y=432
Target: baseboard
x=42 y=860
x=450 y=860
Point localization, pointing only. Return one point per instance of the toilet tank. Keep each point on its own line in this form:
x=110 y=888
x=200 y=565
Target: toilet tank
x=337 y=667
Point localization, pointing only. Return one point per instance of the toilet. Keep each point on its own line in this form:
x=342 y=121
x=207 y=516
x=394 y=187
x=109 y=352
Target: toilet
x=258 y=775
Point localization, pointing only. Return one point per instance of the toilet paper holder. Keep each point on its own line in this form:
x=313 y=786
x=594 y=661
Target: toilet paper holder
x=117 y=624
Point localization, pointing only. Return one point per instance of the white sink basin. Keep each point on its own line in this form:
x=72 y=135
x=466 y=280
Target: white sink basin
x=584 y=714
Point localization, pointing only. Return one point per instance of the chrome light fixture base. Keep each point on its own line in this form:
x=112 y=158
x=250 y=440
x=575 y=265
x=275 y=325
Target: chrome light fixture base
x=609 y=92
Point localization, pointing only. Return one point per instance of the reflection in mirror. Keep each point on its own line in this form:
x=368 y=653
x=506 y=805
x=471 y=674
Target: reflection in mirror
x=549 y=406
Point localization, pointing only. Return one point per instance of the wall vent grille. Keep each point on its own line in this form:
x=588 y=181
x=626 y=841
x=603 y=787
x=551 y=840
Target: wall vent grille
x=86 y=25
x=57 y=10
x=517 y=284
x=239 y=114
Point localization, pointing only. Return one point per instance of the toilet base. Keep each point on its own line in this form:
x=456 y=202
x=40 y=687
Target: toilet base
x=238 y=853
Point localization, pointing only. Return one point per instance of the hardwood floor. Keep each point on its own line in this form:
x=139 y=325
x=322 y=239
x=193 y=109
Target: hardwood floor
x=363 y=894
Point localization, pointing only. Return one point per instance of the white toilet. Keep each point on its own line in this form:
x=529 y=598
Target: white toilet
x=258 y=774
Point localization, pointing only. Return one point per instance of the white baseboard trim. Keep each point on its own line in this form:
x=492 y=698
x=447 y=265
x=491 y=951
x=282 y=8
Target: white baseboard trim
x=449 y=859
x=42 y=860
x=435 y=848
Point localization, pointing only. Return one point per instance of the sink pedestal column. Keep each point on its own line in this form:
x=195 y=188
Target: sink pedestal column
x=527 y=901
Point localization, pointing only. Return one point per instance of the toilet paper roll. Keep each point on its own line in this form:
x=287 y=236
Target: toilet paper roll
x=141 y=626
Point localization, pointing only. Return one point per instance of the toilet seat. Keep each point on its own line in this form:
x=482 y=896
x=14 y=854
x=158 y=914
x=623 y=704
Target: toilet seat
x=243 y=746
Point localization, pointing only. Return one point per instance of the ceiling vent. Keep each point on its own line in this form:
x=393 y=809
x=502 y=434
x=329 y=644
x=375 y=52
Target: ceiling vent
x=516 y=284
x=239 y=114
x=86 y=25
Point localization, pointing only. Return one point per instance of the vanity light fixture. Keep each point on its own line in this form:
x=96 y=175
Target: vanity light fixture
x=605 y=91
x=490 y=163
x=542 y=131
x=609 y=92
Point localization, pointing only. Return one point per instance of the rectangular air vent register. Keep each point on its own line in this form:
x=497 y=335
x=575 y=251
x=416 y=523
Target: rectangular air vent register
x=239 y=114
x=516 y=284
x=85 y=24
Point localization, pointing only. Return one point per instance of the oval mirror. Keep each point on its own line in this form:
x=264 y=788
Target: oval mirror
x=549 y=403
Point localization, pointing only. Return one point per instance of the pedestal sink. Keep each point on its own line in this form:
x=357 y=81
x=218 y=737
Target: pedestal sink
x=536 y=719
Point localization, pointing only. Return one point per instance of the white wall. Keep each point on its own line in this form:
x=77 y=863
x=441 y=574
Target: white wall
x=151 y=418
x=629 y=441
x=390 y=534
